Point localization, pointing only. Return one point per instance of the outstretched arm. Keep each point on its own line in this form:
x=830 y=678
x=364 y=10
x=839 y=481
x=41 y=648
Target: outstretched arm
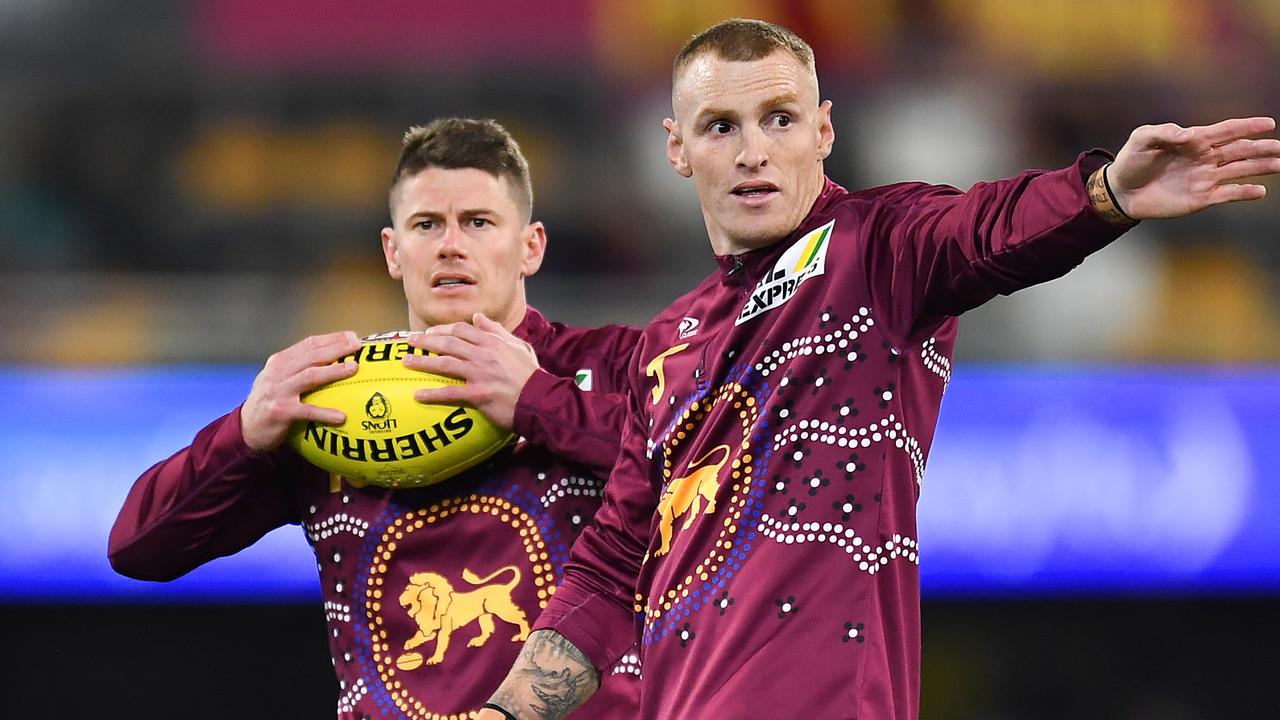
x=1168 y=171
x=549 y=680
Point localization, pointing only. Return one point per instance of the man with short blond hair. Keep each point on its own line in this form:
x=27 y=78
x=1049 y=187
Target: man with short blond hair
x=761 y=519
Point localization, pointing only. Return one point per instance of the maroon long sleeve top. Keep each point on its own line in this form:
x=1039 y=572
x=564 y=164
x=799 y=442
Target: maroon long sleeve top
x=760 y=526
x=427 y=592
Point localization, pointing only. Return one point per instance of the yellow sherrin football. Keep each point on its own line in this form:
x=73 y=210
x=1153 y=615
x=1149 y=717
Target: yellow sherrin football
x=390 y=439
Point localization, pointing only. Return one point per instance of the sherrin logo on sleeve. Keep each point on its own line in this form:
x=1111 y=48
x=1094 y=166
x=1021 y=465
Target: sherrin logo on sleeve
x=389 y=439
x=806 y=258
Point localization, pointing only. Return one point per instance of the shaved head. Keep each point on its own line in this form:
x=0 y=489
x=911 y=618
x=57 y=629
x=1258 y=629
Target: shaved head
x=741 y=40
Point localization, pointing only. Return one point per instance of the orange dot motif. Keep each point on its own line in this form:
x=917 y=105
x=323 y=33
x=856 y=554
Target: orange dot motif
x=740 y=476
x=386 y=655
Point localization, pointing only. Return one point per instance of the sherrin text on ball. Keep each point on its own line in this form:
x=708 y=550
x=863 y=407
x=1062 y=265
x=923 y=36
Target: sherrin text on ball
x=389 y=439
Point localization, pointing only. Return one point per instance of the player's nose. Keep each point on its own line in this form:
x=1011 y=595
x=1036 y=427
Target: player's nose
x=753 y=151
x=452 y=241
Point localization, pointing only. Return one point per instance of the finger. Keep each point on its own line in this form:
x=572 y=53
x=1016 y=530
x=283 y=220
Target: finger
x=445 y=329
x=312 y=377
x=1236 y=193
x=469 y=332
x=417 y=339
x=446 y=365
x=1248 y=150
x=306 y=411
x=318 y=350
x=1248 y=168
x=1233 y=129
x=1157 y=136
x=445 y=395
x=482 y=322
x=450 y=345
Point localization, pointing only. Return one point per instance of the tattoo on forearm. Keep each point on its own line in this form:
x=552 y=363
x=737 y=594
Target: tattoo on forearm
x=1102 y=200
x=550 y=678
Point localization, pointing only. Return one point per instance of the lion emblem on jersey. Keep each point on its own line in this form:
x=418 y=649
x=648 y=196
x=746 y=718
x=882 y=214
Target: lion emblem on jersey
x=685 y=495
x=439 y=610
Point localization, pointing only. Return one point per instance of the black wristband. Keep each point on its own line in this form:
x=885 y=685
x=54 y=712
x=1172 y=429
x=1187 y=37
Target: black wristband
x=1112 y=194
x=506 y=714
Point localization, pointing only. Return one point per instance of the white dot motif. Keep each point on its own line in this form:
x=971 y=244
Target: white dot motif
x=573 y=486
x=820 y=343
x=886 y=429
x=347 y=703
x=935 y=362
x=629 y=664
x=870 y=560
x=336 y=525
x=336 y=612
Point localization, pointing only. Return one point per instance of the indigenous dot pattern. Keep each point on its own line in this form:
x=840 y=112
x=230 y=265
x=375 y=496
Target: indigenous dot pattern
x=868 y=558
x=335 y=524
x=935 y=362
x=573 y=486
x=523 y=509
x=629 y=664
x=743 y=521
x=383 y=649
x=839 y=340
x=736 y=518
x=888 y=429
x=336 y=612
x=665 y=615
x=352 y=695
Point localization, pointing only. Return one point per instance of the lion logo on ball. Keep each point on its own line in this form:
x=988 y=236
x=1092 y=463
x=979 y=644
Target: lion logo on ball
x=377 y=407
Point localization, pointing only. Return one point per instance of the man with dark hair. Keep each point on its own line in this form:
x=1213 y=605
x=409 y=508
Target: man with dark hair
x=475 y=557
x=761 y=519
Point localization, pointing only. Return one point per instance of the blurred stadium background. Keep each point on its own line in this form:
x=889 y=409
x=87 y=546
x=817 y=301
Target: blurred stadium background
x=186 y=187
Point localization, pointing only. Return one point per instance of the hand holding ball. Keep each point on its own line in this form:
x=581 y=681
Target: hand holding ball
x=388 y=438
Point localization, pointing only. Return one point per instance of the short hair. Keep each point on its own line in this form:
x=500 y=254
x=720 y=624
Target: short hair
x=458 y=143
x=743 y=40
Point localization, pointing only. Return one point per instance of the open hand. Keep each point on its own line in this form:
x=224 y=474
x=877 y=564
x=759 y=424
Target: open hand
x=1168 y=171
x=494 y=363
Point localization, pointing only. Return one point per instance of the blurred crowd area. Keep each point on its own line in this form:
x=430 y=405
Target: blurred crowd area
x=205 y=180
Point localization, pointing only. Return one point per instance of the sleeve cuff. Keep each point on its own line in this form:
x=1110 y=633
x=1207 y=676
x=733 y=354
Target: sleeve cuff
x=594 y=624
x=231 y=437
x=537 y=391
x=1086 y=164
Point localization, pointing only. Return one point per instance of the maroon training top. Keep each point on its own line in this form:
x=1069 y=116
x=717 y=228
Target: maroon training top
x=428 y=593
x=782 y=413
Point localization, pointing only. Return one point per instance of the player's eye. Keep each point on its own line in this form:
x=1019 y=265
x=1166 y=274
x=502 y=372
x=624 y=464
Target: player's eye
x=425 y=225
x=479 y=222
x=781 y=120
x=721 y=127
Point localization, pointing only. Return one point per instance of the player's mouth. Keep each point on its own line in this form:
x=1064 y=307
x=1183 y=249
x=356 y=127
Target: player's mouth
x=447 y=282
x=755 y=193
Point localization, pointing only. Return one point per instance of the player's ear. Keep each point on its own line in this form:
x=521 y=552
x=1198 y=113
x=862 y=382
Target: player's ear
x=675 y=148
x=391 y=252
x=534 y=245
x=826 y=130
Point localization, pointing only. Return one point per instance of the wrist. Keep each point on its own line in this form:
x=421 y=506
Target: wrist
x=490 y=711
x=1103 y=199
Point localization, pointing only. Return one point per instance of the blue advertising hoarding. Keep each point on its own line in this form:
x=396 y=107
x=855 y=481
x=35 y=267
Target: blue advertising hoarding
x=1046 y=481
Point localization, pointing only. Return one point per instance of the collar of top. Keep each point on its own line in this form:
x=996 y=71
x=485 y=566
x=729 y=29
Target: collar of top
x=738 y=268
x=533 y=326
